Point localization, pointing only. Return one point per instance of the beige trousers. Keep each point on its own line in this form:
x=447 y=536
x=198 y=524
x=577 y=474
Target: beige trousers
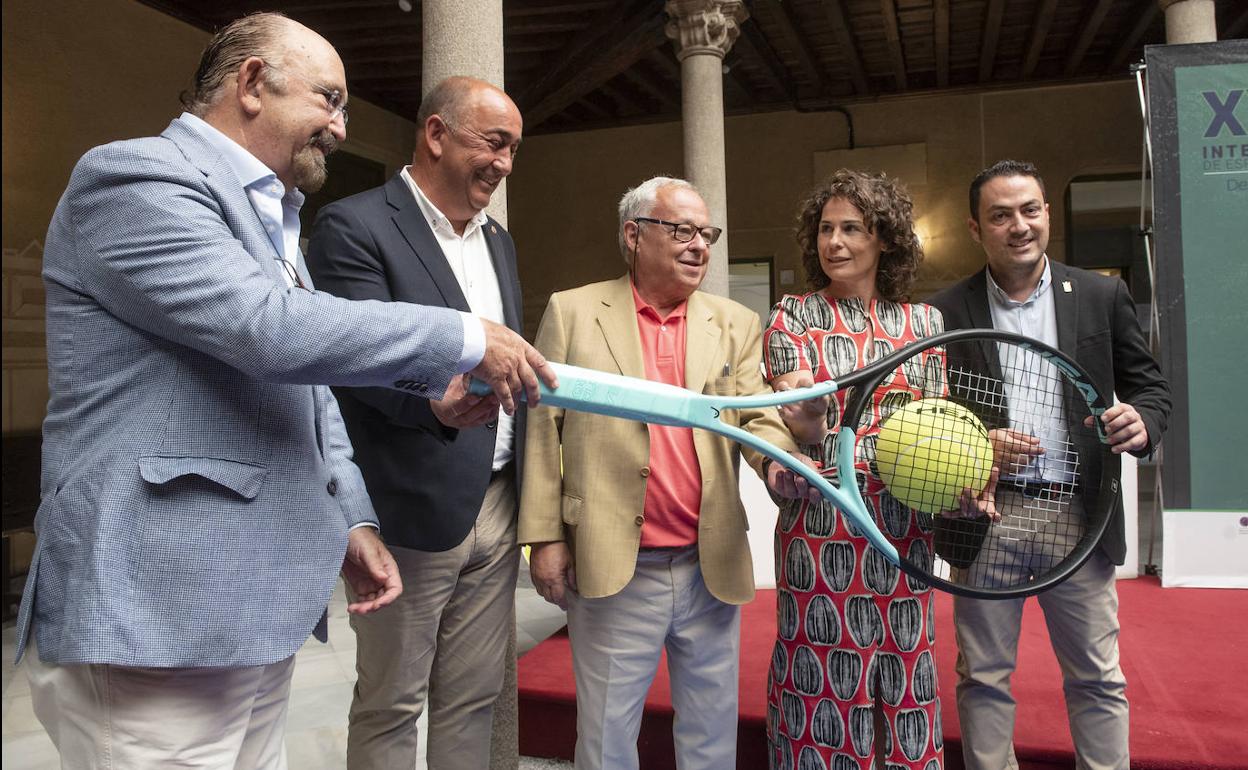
x=125 y=718
x=441 y=642
x=1082 y=617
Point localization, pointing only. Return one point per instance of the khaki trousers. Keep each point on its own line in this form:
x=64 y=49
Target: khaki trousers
x=1082 y=617
x=129 y=718
x=441 y=642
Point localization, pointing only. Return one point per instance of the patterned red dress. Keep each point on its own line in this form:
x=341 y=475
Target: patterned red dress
x=853 y=630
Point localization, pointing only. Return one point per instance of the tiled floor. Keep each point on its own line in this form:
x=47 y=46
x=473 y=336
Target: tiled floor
x=324 y=675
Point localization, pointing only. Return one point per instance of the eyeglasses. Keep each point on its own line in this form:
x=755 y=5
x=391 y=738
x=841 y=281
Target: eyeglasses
x=293 y=274
x=334 y=99
x=684 y=232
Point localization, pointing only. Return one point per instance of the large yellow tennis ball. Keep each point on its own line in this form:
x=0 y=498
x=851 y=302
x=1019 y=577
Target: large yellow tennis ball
x=929 y=451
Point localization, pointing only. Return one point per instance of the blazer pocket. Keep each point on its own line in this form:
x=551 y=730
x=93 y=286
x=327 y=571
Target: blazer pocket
x=1094 y=339
x=723 y=386
x=571 y=510
x=244 y=479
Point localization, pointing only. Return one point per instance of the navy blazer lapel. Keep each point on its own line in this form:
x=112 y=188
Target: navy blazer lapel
x=505 y=269
x=415 y=230
x=981 y=318
x=1065 y=290
x=977 y=301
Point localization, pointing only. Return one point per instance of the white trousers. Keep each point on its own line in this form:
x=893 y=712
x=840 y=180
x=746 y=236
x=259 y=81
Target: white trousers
x=616 y=644
x=104 y=717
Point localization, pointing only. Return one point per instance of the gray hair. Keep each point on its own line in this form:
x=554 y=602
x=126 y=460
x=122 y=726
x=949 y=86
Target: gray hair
x=640 y=202
x=255 y=34
x=446 y=100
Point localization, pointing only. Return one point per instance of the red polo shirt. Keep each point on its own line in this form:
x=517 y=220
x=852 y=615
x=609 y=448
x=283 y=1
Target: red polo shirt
x=674 y=484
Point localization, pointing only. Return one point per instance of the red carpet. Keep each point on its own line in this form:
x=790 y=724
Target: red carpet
x=1183 y=651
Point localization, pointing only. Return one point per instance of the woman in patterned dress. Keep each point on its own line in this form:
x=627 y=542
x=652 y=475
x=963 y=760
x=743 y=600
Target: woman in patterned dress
x=853 y=679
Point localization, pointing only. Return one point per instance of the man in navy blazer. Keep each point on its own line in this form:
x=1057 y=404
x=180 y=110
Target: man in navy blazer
x=198 y=493
x=423 y=237
x=1091 y=318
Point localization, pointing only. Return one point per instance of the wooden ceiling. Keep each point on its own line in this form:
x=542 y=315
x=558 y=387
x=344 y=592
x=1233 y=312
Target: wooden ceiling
x=579 y=65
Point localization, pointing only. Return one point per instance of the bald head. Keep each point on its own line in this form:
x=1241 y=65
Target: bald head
x=467 y=135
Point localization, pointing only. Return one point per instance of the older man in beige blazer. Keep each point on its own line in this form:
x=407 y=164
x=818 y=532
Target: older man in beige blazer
x=639 y=530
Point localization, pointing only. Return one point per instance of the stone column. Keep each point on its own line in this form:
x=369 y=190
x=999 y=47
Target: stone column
x=465 y=37
x=703 y=31
x=1189 y=21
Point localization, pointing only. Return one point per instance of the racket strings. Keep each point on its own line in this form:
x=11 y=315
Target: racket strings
x=1031 y=415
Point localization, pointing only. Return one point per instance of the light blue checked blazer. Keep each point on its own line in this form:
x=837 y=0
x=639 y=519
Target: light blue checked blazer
x=197 y=480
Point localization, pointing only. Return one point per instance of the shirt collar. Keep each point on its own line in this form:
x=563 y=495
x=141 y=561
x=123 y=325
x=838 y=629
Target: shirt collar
x=437 y=220
x=251 y=172
x=1002 y=298
x=645 y=308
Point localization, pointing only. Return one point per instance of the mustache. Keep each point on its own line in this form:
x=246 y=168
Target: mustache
x=325 y=141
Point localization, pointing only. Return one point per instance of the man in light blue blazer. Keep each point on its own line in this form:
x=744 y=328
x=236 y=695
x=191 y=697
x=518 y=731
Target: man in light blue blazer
x=198 y=492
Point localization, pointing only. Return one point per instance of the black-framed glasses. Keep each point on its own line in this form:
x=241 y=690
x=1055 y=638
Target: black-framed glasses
x=683 y=232
x=334 y=99
x=292 y=274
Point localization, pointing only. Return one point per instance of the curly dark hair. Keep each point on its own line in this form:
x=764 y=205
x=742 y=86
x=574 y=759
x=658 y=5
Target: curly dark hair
x=887 y=212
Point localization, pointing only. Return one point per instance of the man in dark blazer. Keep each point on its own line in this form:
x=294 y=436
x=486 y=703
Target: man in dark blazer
x=441 y=474
x=1091 y=318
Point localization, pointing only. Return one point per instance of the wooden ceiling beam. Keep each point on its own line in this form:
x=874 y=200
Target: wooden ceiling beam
x=639 y=78
x=1148 y=10
x=780 y=11
x=581 y=50
x=892 y=36
x=992 y=33
x=605 y=64
x=737 y=76
x=839 y=19
x=624 y=101
x=1090 y=27
x=754 y=45
x=1039 y=33
x=664 y=60
x=510 y=11
x=940 y=30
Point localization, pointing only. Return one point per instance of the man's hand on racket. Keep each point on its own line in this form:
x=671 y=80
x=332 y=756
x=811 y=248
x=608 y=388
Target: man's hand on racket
x=806 y=420
x=511 y=367
x=787 y=484
x=550 y=566
x=1124 y=427
x=460 y=409
x=1013 y=450
x=972 y=504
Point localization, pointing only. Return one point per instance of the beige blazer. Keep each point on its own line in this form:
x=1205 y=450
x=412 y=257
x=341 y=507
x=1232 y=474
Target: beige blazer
x=596 y=502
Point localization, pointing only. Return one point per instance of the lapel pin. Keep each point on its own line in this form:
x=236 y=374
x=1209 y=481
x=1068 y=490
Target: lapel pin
x=1066 y=287
x=494 y=231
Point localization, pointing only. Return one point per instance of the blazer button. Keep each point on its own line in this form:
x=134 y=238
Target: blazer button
x=332 y=487
x=639 y=520
x=645 y=472
x=492 y=425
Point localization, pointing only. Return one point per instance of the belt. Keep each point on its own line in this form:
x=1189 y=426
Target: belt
x=1039 y=488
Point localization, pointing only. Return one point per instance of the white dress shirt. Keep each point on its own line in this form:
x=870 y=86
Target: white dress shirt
x=469 y=258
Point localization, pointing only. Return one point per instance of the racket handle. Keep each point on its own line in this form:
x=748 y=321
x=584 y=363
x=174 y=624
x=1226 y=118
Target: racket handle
x=614 y=395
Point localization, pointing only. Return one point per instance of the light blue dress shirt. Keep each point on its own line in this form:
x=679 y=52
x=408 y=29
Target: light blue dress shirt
x=1030 y=378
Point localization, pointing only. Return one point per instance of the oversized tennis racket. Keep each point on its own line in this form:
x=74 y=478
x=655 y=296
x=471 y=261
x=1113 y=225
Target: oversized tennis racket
x=1058 y=477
